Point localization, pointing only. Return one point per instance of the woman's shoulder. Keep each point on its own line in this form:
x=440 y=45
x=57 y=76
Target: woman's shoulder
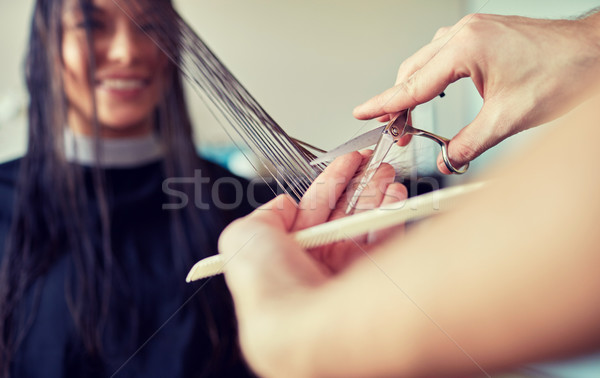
x=215 y=171
x=9 y=172
x=8 y=178
x=255 y=191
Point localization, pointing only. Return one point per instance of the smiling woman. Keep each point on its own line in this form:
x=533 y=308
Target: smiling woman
x=130 y=71
x=92 y=263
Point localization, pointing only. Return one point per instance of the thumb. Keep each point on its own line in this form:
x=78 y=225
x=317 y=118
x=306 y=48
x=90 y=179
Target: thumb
x=275 y=217
x=261 y=257
x=421 y=86
x=474 y=139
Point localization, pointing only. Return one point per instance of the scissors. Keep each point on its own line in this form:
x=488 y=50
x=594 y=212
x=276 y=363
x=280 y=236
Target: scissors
x=385 y=137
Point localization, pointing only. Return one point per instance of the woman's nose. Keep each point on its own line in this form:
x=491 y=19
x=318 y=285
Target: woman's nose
x=126 y=45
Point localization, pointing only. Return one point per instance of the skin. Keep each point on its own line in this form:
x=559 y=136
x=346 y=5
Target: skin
x=508 y=279
x=511 y=278
x=327 y=198
x=527 y=71
x=122 y=51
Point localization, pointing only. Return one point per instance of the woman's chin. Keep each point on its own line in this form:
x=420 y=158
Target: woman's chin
x=124 y=128
x=128 y=124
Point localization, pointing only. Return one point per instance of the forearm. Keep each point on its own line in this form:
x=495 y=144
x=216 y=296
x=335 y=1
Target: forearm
x=528 y=72
x=511 y=279
x=589 y=31
x=590 y=13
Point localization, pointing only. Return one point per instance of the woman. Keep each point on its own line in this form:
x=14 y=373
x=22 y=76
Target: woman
x=93 y=266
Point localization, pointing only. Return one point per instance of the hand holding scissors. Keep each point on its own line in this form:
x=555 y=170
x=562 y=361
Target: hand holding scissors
x=385 y=137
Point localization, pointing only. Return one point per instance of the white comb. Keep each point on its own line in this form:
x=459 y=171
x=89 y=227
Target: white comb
x=359 y=224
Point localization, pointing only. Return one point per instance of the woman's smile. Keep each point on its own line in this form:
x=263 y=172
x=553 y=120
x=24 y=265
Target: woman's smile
x=130 y=71
x=122 y=86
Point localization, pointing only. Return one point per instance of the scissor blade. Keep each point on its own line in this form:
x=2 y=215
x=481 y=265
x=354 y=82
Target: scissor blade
x=360 y=142
x=386 y=141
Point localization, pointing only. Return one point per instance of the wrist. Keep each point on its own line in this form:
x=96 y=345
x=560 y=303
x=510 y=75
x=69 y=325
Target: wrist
x=585 y=37
x=590 y=27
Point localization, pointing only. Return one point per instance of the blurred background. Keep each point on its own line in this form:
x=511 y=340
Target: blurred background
x=309 y=63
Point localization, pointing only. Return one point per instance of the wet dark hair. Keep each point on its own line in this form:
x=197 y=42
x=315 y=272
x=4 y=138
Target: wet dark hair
x=51 y=212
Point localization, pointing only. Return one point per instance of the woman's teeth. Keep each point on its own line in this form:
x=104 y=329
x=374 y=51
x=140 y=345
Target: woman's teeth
x=122 y=83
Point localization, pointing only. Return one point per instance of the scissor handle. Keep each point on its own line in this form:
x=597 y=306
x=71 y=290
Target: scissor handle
x=443 y=142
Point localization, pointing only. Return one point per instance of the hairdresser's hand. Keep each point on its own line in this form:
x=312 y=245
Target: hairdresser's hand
x=270 y=278
x=327 y=199
x=528 y=71
x=269 y=274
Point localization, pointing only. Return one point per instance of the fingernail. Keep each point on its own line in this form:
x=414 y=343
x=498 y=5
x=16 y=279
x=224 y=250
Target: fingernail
x=357 y=110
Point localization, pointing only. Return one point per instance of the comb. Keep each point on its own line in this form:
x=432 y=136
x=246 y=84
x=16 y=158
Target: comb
x=359 y=224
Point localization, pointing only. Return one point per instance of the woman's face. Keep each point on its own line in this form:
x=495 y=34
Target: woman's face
x=130 y=74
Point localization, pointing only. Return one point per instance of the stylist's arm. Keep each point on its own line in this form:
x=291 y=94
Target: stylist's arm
x=509 y=279
x=269 y=274
x=528 y=72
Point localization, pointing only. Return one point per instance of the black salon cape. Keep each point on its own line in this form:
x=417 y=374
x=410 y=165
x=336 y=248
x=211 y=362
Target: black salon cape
x=178 y=345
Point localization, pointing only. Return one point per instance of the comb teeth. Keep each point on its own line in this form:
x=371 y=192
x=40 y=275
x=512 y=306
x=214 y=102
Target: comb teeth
x=311 y=240
x=207 y=267
x=359 y=224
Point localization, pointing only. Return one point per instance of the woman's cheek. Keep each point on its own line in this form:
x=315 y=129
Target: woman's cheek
x=74 y=75
x=74 y=59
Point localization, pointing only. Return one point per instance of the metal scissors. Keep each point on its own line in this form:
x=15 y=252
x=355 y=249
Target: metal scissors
x=385 y=137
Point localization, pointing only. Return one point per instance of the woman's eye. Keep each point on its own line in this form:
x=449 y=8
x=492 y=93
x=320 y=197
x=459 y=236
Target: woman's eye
x=148 y=28
x=94 y=25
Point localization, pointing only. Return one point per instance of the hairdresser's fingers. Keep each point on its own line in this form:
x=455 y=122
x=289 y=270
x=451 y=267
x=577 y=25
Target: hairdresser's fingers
x=405 y=140
x=384 y=118
x=441 y=32
x=418 y=60
x=374 y=193
x=395 y=192
x=344 y=200
x=426 y=73
x=371 y=196
x=340 y=207
x=339 y=255
x=378 y=106
x=262 y=258
x=279 y=214
x=321 y=198
x=237 y=242
x=486 y=130
x=422 y=86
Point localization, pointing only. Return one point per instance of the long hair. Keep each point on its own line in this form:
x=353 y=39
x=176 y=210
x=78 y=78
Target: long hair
x=50 y=217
